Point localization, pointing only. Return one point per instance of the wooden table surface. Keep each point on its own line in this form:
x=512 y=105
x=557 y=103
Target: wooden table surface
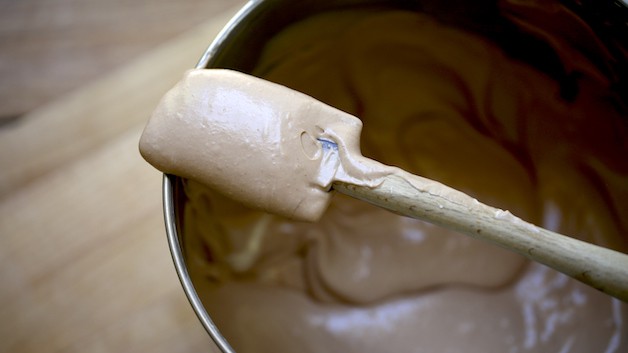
x=85 y=265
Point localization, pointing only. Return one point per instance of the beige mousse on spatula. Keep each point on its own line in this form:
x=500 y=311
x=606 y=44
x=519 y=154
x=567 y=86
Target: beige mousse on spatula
x=281 y=151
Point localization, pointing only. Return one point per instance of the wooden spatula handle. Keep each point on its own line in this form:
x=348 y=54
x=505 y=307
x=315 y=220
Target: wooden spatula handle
x=601 y=268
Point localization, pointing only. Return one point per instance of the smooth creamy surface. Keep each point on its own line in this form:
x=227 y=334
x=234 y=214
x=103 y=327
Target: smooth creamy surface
x=451 y=106
x=255 y=141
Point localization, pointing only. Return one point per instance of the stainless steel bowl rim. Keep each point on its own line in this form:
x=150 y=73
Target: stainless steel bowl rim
x=169 y=207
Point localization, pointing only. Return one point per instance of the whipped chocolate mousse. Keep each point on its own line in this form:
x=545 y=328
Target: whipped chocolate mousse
x=439 y=102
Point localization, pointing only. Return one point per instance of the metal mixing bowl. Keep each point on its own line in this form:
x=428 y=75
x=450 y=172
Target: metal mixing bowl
x=239 y=44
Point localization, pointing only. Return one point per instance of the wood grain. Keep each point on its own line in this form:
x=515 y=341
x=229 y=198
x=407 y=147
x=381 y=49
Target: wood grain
x=86 y=118
x=50 y=47
x=85 y=262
